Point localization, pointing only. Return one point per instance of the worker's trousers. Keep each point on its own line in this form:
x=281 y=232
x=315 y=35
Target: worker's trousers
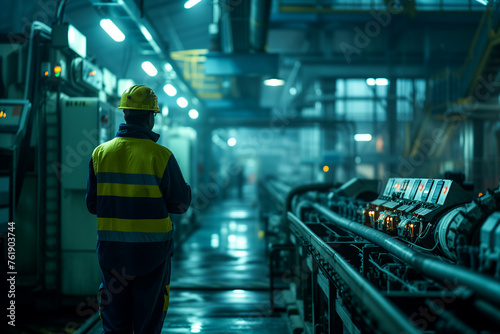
x=134 y=304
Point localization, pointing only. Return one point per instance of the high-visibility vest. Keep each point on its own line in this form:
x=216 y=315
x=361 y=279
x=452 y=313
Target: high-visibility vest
x=130 y=202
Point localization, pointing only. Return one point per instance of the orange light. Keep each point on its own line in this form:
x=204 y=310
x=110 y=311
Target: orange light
x=445 y=190
x=2 y=114
x=57 y=69
x=46 y=73
x=480 y=194
x=421 y=187
x=397 y=185
x=92 y=73
x=326 y=168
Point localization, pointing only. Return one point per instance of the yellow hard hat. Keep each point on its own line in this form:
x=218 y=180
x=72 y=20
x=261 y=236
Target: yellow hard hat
x=139 y=97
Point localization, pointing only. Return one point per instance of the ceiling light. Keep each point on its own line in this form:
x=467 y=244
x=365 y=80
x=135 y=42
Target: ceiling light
x=193 y=113
x=146 y=33
x=370 y=82
x=231 y=141
x=112 y=30
x=182 y=102
x=381 y=82
x=362 y=137
x=168 y=67
x=164 y=111
x=483 y=2
x=169 y=90
x=191 y=3
x=274 y=82
x=149 y=68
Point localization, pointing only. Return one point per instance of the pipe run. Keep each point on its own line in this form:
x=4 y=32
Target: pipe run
x=449 y=274
x=379 y=306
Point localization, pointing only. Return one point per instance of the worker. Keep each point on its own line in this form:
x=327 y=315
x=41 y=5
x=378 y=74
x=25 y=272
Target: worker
x=133 y=185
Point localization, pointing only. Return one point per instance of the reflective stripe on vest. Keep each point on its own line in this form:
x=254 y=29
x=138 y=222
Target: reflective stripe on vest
x=130 y=205
x=133 y=236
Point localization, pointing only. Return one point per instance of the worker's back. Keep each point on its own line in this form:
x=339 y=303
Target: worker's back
x=130 y=202
x=132 y=187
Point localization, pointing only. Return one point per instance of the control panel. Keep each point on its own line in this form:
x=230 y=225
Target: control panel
x=408 y=207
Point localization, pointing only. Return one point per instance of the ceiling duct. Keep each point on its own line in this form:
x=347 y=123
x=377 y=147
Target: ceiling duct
x=259 y=22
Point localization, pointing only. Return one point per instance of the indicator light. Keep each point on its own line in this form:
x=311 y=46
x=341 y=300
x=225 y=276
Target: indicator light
x=445 y=190
x=46 y=73
x=92 y=73
x=3 y=114
x=57 y=71
x=478 y=195
x=421 y=187
x=326 y=168
x=397 y=186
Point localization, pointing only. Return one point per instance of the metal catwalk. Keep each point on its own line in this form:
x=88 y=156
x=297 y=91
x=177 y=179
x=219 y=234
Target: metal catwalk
x=220 y=275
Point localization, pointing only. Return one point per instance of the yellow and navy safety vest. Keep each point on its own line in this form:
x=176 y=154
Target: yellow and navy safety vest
x=133 y=184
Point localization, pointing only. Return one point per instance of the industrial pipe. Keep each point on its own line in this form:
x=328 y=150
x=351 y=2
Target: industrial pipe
x=394 y=320
x=259 y=21
x=484 y=286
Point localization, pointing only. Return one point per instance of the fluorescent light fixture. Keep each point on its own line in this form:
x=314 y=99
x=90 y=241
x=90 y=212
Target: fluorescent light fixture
x=146 y=33
x=77 y=41
x=168 y=67
x=182 y=102
x=191 y=3
x=370 y=82
x=193 y=113
x=274 y=82
x=231 y=141
x=164 y=111
x=149 y=68
x=362 y=137
x=381 y=82
x=169 y=90
x=150 y=39
x=112 y=30
x=483 y=2
x=196 y=327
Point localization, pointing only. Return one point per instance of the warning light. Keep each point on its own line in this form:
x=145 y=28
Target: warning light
x=326 y=168
x=57 y=71
x=92 y=73
x=480 y=194
x=46 y=73
x=445 y=190
x=421 y=187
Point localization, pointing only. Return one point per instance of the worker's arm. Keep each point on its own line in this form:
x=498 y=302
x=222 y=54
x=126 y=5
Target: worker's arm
x=176 y=191
x=91 y=197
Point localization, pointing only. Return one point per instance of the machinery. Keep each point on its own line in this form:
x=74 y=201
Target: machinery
x=421 y=256
x=56 y=106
